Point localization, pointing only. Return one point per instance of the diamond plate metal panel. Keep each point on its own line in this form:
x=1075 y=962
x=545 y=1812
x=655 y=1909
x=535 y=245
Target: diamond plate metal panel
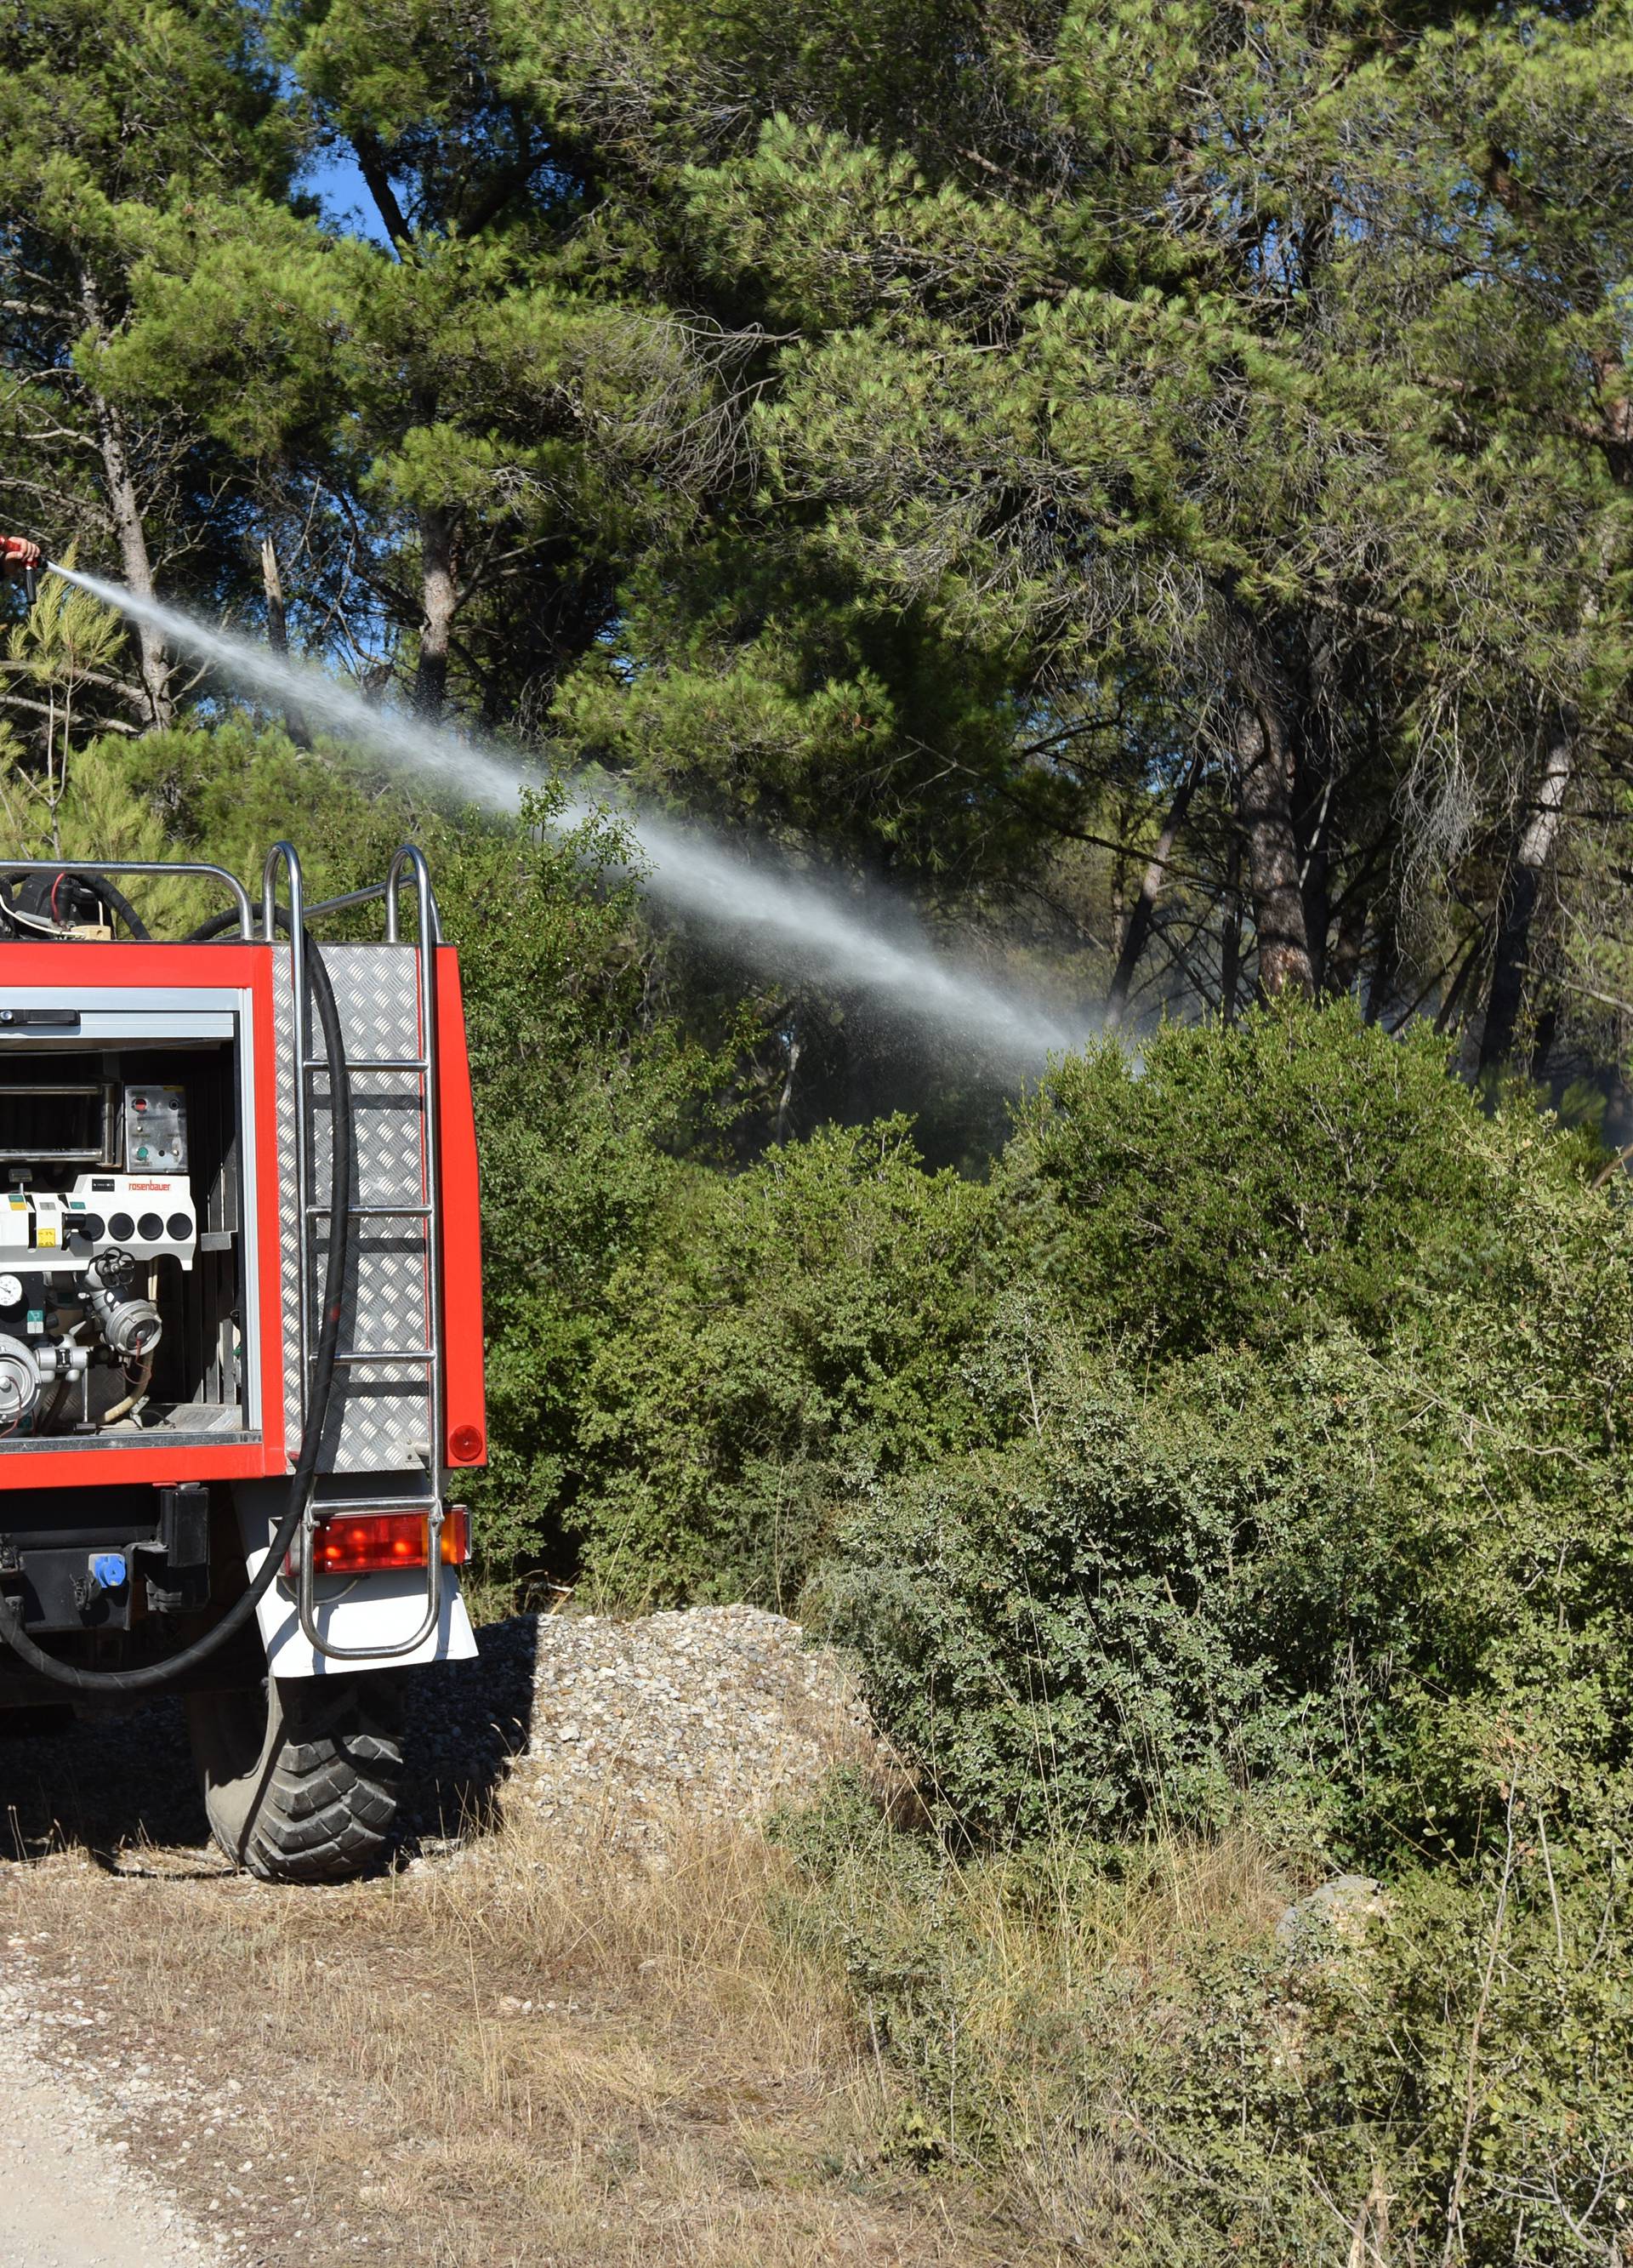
x=379 y=1415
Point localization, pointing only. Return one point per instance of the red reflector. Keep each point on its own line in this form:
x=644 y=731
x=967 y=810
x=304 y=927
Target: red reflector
x=373 y=1542
x=465 y=1444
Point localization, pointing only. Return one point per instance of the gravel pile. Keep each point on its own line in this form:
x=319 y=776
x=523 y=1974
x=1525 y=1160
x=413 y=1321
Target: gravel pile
x=602 y=1725
x=721 y=1712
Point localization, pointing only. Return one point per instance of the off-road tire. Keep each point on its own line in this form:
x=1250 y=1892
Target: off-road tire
x=300 y=1775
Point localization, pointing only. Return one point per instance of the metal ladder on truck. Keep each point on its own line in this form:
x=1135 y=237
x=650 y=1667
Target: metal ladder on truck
x=309 y=1213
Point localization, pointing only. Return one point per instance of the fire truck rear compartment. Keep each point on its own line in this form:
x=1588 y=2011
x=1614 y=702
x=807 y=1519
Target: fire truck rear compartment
x=167 y=1234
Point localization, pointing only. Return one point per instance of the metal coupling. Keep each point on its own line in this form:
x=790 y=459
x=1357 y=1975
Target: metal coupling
x=20 y=1383
x=126 y=1317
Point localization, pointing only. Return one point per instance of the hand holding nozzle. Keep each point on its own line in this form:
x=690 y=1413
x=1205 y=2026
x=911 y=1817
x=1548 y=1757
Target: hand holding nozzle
x=19 y=555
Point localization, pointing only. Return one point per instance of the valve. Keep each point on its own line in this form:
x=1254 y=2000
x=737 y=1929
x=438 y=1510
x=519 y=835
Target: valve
x=20 y=1383
x=61 y=1359
x=126 y=1317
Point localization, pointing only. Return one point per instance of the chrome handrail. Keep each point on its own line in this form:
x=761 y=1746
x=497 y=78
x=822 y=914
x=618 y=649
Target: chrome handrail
x=285 y=855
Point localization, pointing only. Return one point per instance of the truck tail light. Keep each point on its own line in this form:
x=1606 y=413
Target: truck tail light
x=373 y=1542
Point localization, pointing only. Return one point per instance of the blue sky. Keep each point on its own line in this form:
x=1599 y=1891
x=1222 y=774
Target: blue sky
x=336 y=181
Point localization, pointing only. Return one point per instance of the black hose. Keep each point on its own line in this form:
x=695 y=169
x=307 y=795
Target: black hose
x=106 y=895
x=153 y=1676
x=220 y=923
x=117 y=903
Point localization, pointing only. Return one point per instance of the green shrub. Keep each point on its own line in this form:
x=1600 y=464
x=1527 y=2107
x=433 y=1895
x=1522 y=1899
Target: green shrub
x=1361 y=1595
x=1297 y=1170
x=1070 y=1632
x=797 y=1333
x=1360 y=1576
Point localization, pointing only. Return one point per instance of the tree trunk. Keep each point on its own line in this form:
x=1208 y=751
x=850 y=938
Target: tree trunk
x=786 y=1100
x=125 y=510
x=278 y=633
x=272 y=582
x=1316 y=773
x=1264 y=794
x=1547 y=1033
x=1445 y=1014
x=1517 y=905
x=1231 y=941
x=1342 y=971
x=439 y=597
x=1315 y=889
x=372 y=165
x=1138 y=927
x=1385 y=957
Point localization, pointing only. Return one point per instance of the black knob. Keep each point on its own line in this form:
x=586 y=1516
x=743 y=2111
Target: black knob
x=120 y=1226
x=179 y=1228
x=150 y=1228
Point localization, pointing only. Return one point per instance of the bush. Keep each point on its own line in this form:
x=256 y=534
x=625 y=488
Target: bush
x=1070 y=1632
x=796 y=1334
x=1294 y=1172
x=1351 y=1571
x=1166 y=2064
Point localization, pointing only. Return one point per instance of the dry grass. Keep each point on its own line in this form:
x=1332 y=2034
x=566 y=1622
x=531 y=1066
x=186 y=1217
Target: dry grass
x=533 y=2051
x=1045 y=1986
x=1079 y=2156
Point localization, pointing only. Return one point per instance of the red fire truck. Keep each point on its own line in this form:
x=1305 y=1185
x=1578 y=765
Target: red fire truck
x=240 y=1329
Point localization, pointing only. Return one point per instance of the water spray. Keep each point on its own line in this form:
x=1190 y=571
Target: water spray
x=773 y=915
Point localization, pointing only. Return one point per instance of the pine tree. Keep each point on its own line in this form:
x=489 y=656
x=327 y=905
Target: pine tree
x=1141 y=356
x=111 y=117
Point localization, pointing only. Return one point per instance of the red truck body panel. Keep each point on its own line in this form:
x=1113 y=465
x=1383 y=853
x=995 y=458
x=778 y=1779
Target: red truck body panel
x=140 y=969
x=461 y=1226
x=249 y=968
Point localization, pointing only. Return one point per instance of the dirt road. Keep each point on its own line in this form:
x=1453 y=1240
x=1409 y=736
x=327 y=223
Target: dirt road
x=68 y=2200
x=566 y=2028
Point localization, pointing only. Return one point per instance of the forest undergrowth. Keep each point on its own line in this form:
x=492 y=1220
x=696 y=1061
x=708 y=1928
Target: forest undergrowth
x=1220 y=1498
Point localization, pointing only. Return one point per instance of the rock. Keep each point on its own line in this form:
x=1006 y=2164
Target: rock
x=1345 y=1904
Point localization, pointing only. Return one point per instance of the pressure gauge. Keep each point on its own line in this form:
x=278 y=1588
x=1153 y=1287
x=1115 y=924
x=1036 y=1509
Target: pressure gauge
x=11 y=1291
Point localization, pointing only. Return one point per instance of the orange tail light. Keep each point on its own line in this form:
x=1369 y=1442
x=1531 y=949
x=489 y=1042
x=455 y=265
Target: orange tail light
x=373 y=1542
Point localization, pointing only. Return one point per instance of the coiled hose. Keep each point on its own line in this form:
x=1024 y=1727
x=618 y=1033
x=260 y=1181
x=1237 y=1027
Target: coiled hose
x=100 y=888
x=153 y=1676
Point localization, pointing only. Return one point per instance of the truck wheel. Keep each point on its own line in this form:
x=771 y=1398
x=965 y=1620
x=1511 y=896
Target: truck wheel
x=300 y=1775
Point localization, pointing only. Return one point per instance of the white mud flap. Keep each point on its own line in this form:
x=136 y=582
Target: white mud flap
x=352 y=1611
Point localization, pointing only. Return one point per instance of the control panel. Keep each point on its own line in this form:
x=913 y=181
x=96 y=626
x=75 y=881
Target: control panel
x=156 y=1130
x=145 y=1216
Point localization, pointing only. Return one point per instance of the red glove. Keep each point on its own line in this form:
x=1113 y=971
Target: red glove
x=16 y=551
